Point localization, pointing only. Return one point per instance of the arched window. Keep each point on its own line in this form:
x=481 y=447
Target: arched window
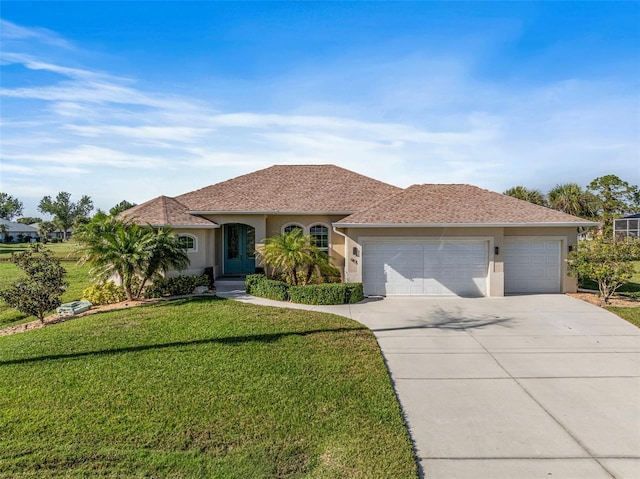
x=320 y=236
x=189 y=242
x=290 y=227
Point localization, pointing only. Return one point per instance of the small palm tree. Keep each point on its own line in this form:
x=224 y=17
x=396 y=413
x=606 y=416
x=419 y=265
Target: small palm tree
x=116 y=247
x=166 y=252
x=45 y=228
x=294 y=253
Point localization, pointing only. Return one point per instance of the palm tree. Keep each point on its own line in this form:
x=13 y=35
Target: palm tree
x=570 y=198
x=131 y=252
x=45 y=228
x=531 y=195
x=166 y=252
x=289 y=252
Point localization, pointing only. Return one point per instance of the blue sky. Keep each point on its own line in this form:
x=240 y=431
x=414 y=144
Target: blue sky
x=131 y=100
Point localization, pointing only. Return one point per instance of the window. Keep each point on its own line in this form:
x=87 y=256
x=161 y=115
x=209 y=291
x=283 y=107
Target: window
x=320 y=236
x=291 y=227
x=188 y=242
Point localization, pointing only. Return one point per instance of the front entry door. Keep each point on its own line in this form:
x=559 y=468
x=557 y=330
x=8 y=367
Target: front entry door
x=239 y=249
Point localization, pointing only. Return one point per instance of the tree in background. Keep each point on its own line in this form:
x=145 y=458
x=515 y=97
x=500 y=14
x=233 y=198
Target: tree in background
x=129 y=251
x=616 y=198
x=570 y=198
x=531 y=195
x=29 y=220
x=45 y=228
x=64 y=211
x=40 y=291
x=607 y=262
x=10 y=207
x=120 y=207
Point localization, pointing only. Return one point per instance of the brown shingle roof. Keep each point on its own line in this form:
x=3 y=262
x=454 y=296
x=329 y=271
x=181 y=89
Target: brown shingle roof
x=164 y=211
x=456 y=204
x=291 y=188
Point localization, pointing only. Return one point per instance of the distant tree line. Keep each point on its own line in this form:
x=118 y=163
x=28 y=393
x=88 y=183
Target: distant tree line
x=65 y=213
x=604 y=199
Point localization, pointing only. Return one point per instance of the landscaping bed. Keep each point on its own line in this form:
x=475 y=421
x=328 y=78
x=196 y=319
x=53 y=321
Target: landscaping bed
x=320 y=294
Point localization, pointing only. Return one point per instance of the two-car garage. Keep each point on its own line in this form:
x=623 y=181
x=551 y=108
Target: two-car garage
x=462 y=267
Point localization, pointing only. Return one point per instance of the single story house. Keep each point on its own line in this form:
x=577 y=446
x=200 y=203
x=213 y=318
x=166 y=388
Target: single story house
x=431 y=239
x=16 y=230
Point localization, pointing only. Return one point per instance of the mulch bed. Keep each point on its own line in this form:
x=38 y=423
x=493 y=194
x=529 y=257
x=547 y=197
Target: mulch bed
x=617 y=301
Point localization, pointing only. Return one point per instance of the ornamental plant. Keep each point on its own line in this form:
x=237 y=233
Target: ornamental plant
x=40 y=291
x=607 y=262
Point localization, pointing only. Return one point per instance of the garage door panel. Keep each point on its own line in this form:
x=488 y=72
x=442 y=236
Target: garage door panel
x=425 y=268
x=532 y=265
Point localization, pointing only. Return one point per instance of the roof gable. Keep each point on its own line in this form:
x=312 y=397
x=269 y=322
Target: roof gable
x=290 y=189
x=164 y=211
x=434 y=204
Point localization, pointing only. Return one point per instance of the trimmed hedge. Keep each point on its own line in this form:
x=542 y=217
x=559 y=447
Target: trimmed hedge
x=324 y=294
x=271 y=289
x=175 y=286
x=251 y=280
x=327 y=293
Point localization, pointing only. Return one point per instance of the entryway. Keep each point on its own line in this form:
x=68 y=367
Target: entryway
x=239 y=249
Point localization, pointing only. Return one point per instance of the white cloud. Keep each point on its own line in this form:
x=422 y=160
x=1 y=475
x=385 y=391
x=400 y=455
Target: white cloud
x=10 y=31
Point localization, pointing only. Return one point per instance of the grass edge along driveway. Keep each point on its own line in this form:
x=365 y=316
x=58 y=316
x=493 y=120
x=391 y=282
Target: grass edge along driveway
x=200 y=388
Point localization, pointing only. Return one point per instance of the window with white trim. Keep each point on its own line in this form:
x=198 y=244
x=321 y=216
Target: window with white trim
x=320 y=237
x=289 y=228
x=188 y=242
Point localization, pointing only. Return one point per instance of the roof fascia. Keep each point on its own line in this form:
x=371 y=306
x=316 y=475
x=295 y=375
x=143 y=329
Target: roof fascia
x=211 y=226
x=271 y=212
x=457 y=225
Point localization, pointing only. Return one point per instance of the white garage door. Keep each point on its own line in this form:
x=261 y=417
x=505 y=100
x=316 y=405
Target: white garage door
x=531 y=265
x=425 y=268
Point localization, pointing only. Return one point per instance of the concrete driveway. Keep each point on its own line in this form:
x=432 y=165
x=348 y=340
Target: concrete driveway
x=541 y=386
x=517 y=387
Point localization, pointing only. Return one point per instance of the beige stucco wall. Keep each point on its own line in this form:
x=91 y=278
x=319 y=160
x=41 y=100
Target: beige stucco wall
x=493 y=236
x=201 y=258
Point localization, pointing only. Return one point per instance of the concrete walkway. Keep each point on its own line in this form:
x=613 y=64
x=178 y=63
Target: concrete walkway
x=518 y=387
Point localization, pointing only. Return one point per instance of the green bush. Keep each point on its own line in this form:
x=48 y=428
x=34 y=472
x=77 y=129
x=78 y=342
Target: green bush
x=270 y=289
x=251 y=280
x=175 y=286
x=107 y=293
x=329 y=293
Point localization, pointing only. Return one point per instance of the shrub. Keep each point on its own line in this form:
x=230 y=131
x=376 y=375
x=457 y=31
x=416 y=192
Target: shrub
x=175 y=286
x=329 y=293
x=43 y=285
x=271 y=289
x=106 y=293
x=251 y=280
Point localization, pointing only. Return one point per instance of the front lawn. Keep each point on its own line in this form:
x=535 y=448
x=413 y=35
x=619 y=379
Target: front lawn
x=200 y=388
x=630 y=314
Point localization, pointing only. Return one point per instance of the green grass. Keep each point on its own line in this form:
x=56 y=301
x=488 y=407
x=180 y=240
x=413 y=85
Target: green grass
x=60 y=250
x=629 y=314
x=77 y=276
x=200 y=388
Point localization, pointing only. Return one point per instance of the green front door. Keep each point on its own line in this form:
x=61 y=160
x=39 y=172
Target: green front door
x=239 y=249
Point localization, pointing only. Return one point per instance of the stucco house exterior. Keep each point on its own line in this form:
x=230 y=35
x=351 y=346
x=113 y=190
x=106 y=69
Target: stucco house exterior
x=423 y=240
x=14 y=229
